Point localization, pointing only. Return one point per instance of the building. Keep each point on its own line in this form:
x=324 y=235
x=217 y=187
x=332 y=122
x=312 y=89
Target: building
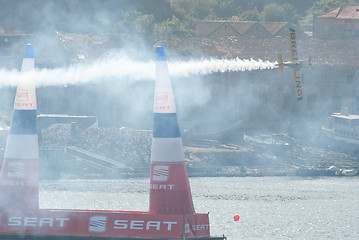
x=342 y=22
x=247 y=29
x=266 y=96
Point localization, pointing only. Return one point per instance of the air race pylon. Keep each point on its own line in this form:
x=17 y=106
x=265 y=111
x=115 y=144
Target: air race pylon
x=19 y=172
x=169 y=185
x=171 y=214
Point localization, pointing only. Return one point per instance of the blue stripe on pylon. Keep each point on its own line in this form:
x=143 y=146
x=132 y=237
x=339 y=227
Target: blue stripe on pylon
x=23 y=122
x=29 y=51
x=165 y=125
x=160 y=54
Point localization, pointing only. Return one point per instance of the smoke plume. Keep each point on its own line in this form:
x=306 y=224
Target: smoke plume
x=123 y=67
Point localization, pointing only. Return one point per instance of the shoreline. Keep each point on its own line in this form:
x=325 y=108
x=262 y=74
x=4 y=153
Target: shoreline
x=313 y=173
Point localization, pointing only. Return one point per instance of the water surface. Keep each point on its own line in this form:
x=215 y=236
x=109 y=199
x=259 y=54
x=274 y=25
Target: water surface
x=269 y=207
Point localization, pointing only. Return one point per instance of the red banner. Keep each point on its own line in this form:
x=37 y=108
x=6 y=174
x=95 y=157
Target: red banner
x=105 y=224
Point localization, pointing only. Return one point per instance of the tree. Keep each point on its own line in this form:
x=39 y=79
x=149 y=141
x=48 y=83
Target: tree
x=203 y=9
x=291 y=14
x=279 y=13
x=250 y=15
x=226 y=8
x=169 y=32
x=136 y=24
x=273 y=13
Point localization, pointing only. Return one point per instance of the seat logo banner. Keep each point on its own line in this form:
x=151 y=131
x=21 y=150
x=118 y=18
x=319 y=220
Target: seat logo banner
x=160 y=173
x=161 y=98
x=22 y=95
x=97 y=224
x=16 y=170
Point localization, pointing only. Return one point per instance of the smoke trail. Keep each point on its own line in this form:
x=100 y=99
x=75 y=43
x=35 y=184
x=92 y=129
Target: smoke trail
x=126 y=68
x=104 y=69
x=218 y=65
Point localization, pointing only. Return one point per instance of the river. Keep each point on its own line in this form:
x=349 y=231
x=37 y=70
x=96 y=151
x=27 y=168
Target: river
x=269 y=207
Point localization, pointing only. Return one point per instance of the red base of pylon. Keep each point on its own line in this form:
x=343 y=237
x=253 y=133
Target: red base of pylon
x=77 y=224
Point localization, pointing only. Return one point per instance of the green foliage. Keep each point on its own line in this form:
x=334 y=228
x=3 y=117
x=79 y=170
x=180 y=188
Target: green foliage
x=178 y=9
x=291 y=14
x=137 y=24
x=169 y=32
x=226 y=8
x=250 y=15
x=152 y=21
x=194 y=9
x=234 y=19
x=279 y=13
x=324 y=6
x=273 y=13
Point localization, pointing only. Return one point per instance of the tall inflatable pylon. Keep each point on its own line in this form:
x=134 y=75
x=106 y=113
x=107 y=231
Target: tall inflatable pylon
x=169 y=185
x=171 y=214
x=19 y=172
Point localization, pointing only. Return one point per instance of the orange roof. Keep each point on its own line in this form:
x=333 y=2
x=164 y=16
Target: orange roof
x=324 y=52
x=349 y=12
x=242 y=27
x=274 y=27
x=204 y=28
x=207 y=28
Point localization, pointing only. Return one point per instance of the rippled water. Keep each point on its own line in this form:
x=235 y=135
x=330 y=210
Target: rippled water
x=269 y=207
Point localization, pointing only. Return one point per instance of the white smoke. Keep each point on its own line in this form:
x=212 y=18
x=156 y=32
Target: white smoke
x=218 y=65
x=126 y=68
